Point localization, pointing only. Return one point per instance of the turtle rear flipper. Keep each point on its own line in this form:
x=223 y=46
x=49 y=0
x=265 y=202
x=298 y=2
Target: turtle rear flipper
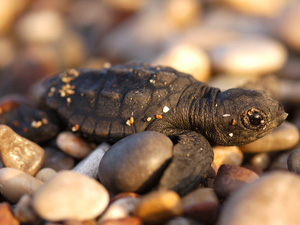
x=34 y=124
x=192 y=157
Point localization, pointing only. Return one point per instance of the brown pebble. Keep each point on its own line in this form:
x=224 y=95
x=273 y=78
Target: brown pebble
x=230 y=178
x=283 y=137
x=159 y=206
x=124 y=221
x=57 y=160
x=6 y=216
x=261 y=160
x=20 y=153
x=73 y=145
x=201 y=204
x=45 y=174
x=80 y=222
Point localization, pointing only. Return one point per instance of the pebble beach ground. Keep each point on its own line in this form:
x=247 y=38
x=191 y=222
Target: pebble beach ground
x=225 y=43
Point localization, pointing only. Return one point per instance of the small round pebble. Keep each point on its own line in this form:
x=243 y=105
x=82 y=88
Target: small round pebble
x=90 y=165
x=20 y=153
x=249 y=55
x=158 y=207
x=45 y=173
x=261 y=160
x=186 y=58
x=70 y=195
x=281 y=138
x=272 y=199
x=231 y=155
x=230 y=178
x=136 y=162
x=15 y=183
x=293 y=161
x=73 y=145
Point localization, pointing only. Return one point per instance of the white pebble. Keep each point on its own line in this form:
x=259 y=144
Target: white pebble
x=89 y=166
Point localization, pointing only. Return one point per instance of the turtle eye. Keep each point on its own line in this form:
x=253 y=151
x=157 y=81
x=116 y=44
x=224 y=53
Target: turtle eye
x=255 y=119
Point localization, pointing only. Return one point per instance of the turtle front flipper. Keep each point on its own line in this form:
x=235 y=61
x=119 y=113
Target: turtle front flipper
x=192 y=157
x=34 y=124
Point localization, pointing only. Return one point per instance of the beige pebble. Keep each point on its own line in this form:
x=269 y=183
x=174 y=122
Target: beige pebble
x=9 y=11
x=120 y=208
x=24 y=212
x=273 y=199
x=6 y=216
x=15 y=183
x=231 y=178
x=201 y=204
x=157 y=207
x=248 y=55
x=261 y=160
x=20 y=153
x=288 y=26
x=45 y=173
x=227 y=155
x=183 y=13
x=40 y=26
x=224 y=81
x=73 y=145
x=188 y=59
x=70 y=195
x=266 y=8
x=281 y=138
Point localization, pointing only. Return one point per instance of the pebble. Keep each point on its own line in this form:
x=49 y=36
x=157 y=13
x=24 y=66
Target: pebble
x=41 y=26
x=89 y=166
x=45 y=174
x=57 y=160
x=24 y=212
x=248 y=55
x=129 y=5
x=186 y=58
x=270 y=8
x=73 y=145
x=159 y=206
x=18 y=152
x=7 y=54
x=280 y=162
x=70 y=195
x=147 y=152
x=283 y=137
x=272 y=199
x=6 y=216
x=231 y=178
x=287 y=26
x=293 y=161
x=131 y=220
x=9 y=11
x=121 y=208
x=15 y=183
x=182 y=221
x=231 y=155
x=261 y=160
x=201 y=204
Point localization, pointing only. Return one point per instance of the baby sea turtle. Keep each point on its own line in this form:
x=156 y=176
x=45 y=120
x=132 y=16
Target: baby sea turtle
x=115 y=102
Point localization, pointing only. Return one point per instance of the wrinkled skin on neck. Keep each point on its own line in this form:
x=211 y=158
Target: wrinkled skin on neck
x=242 y=116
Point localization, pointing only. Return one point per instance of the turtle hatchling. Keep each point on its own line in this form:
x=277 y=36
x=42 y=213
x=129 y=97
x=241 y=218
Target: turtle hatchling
x=112 y=103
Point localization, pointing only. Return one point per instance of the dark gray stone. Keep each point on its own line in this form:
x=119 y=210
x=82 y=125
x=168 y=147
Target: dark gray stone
x=136 y=162
x=293 y=161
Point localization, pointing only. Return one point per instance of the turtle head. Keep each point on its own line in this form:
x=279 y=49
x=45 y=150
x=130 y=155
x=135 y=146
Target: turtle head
x=243 y=116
